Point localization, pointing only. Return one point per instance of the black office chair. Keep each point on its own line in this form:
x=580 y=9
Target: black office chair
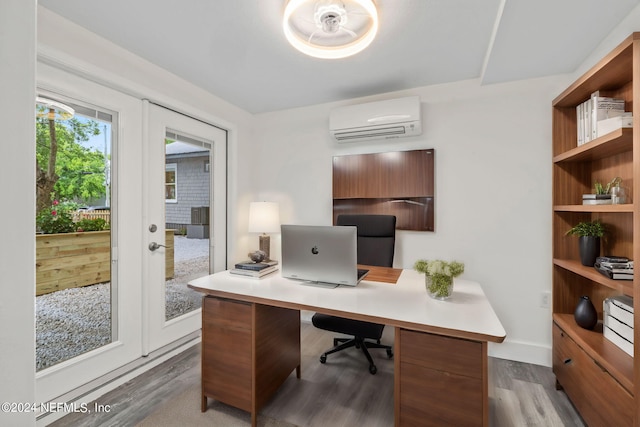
x=376 y=244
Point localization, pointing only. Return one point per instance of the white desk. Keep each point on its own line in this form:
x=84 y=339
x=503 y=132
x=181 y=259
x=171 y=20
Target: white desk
x=440 y=346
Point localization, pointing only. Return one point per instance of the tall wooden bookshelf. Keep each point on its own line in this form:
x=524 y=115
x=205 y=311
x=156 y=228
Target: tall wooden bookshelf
x=601 y=380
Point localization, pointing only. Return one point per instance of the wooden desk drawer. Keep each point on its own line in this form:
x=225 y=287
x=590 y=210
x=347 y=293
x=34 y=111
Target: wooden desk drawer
x=600 y=399
x=454 y=355
x=227 y=313
x=430 y=397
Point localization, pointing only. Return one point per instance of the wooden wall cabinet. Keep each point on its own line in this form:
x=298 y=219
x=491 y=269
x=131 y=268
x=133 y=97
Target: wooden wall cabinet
x=600 y=379
x=397 y=183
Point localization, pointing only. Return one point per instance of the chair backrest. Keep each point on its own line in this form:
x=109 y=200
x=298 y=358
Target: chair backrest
x=376 y=237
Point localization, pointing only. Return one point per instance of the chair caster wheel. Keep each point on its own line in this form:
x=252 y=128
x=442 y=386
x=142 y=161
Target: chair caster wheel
x=389 y=353
x=373 y=369
x=323 y=358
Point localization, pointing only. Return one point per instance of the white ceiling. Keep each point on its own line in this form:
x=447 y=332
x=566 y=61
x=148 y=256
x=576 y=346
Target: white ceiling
x=236 y=49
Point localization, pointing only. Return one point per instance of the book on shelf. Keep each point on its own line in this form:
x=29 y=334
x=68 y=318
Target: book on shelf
x=609 y=125
x=613 y=259
x=618 y=274
x=254 y=273
x=594 y=110
x=596 y=199
x=622 y=329
x=616 y=339
x=255 y=266
x=595 y=196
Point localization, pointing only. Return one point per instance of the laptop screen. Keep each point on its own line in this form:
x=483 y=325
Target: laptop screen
x=320 y=254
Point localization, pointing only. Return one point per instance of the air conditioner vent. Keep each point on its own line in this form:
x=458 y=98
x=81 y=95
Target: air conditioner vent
x=395 y=118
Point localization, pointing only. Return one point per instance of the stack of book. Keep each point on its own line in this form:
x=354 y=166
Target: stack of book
x=594 y=110
x=617 y=268
x=618 y=322
x=255 y=269
x=596 y=199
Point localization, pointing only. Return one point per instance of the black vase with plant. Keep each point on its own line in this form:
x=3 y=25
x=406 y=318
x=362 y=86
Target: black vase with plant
x=590 y=234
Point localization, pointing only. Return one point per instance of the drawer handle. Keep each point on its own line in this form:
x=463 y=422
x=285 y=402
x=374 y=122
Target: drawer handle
x=567 y=361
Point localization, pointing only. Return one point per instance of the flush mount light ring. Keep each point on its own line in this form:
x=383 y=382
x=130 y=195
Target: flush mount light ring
x=53 y=110
x=330 y=28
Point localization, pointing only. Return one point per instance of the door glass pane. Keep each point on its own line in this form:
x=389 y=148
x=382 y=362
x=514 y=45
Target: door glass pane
x=73 y=230
x=187 y=192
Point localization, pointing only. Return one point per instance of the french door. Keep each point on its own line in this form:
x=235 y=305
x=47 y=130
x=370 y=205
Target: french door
x=184 y=211
x=93 y=303
x=164 y=179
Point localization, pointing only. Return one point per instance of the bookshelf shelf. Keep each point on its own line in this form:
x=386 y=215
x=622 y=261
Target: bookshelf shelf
x=607 y=145
x=582 y=358
x=594 y=208
x=622 y=286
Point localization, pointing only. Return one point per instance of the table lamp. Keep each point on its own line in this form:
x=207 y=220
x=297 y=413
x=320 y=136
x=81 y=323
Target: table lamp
x=264 y=217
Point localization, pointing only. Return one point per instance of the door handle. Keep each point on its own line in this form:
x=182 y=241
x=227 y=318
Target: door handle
x=154 y=246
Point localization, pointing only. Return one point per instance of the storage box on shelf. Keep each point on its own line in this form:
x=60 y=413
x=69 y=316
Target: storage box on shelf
x=581 y=356
x=618 y=322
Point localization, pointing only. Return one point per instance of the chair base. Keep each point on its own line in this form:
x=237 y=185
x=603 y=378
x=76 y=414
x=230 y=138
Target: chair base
x=357 y=342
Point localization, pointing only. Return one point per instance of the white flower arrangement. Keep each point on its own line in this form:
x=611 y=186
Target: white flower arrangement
x=440 y=275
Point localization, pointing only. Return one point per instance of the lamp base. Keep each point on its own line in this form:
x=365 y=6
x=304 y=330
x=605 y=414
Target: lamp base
x=265 y=245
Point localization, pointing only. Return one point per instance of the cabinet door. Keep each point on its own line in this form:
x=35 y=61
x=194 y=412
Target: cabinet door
x=440 y=380
x=226 y=375
x=600 y=399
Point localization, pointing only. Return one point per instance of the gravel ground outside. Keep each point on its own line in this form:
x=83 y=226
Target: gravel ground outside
x=74 y=321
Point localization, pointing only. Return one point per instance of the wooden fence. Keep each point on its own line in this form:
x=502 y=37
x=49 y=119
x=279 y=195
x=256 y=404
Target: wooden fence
x=72 y=260
x=84 y=214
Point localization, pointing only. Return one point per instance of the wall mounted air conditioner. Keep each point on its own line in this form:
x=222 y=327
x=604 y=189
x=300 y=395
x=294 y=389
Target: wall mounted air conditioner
x=393 y=118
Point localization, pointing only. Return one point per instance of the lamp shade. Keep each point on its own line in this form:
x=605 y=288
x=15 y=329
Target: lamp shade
x=264 y=217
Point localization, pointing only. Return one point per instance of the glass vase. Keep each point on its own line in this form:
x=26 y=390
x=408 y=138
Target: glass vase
x=439 y=286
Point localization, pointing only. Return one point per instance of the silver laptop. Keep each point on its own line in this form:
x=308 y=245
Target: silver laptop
x=321 y=255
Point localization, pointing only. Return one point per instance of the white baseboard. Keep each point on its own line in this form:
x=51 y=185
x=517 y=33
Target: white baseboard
x=518 y=351
x=522 y=352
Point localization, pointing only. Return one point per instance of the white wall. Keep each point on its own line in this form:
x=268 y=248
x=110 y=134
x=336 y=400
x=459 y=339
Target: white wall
x=493 y=201
x=69 y=46
x=17 y=175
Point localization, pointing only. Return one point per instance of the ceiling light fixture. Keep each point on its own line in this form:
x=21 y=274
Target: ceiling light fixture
x=330 y=29
x=53 y=110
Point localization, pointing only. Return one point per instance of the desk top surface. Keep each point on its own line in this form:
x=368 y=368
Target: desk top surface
x=467 y=314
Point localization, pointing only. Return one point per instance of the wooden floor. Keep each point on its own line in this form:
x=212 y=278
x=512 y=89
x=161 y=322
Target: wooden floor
x=520 y=394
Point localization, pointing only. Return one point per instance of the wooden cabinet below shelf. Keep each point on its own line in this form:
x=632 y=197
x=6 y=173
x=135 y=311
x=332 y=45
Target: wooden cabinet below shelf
x=596 y=393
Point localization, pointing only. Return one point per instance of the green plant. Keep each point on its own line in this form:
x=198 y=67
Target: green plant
x=97 y=224
x=602 y=189
x=57 y=219
x=441 y=274
x=587 y=228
